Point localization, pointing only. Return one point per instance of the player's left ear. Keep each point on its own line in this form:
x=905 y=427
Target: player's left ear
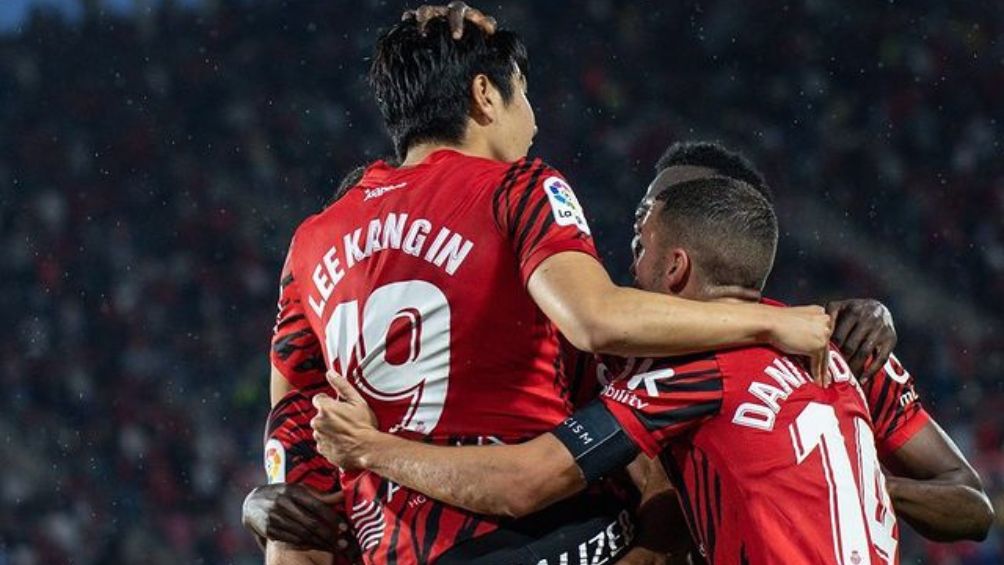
x=484 y=100
x=679 y=269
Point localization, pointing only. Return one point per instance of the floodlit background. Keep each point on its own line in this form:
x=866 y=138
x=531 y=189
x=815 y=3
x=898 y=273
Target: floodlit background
x=155 y=158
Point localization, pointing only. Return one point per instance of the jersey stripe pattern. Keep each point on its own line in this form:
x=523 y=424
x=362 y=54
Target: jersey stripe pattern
x=702 y=503
x=665 y=399
x=397 y=525
x=770 y=467
x=289 y=443
x=289 y=424
x=525 y=214
x=896 y=410
x=295 y=351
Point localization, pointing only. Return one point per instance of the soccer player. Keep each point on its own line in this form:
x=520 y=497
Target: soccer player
x=863 y=327
x=771 y=467
x=439 y=286
x=289 y=513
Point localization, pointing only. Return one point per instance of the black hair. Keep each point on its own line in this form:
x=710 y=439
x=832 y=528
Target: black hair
x=728 y=227
x=352 y=179
x=422 y=81
x=715 y=156
x=348 y=181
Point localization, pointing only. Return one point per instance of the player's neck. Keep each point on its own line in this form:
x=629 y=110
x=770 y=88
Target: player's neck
x=729 y=293
x=421 y=151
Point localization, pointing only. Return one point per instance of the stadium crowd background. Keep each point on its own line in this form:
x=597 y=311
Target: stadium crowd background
x=154 y=163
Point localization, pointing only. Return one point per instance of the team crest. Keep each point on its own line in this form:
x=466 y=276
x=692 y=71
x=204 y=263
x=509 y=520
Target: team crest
x=564 y=204
x=275 y=462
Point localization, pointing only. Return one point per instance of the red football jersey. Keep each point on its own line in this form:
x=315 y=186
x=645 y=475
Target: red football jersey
x=771 y=468
x=413 y=285
x=290 y=452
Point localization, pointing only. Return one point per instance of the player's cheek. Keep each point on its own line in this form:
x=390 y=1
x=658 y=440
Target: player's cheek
x=533 y=121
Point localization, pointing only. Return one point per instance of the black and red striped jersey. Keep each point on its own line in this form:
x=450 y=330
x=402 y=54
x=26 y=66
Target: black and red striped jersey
x=413 y=285
x=771 y=467
x=295 y=350
x=896 y=411
x=290 y=452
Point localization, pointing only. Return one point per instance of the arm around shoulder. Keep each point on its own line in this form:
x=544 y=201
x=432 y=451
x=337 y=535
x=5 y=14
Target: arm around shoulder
x=576 y=293
x=503 y=480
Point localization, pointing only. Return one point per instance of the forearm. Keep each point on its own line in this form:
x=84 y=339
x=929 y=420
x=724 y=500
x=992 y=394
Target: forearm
x=595 y=315
x=278 y=553
x=507 y=480
x=942 y=509
x=638 y=323
x=278 y=386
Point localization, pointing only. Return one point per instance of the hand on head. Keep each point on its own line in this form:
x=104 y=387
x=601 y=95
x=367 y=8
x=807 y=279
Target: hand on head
x=456 y=13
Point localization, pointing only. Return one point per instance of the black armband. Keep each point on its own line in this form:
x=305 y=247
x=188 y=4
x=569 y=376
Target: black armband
x=596 y=440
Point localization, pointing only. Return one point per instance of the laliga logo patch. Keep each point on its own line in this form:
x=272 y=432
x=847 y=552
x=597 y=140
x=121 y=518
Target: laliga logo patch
x=275 y=462
x=564 y=204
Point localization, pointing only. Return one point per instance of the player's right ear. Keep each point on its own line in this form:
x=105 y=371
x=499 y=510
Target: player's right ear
x=679 y=269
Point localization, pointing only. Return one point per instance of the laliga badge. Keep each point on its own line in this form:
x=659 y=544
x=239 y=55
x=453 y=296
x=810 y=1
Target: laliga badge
x=275 y=462
x=564 y=204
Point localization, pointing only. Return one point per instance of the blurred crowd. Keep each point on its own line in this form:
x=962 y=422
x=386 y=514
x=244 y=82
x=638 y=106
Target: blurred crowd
x=153 y=167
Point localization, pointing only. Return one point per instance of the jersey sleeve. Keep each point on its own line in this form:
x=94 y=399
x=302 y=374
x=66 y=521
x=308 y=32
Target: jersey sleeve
x=582 y=374
x=290 y=452
x=658 y=405
x=296 y=351
x=537 y=212
x=896 y=411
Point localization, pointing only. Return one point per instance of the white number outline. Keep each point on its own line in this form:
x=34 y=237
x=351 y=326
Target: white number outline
x=360 y=345
x=850 y=514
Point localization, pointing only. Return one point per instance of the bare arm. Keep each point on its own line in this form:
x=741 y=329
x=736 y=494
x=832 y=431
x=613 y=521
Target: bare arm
x=278 y=386
x=575 y=292
x=279 y=553
x=939 y=494
x=505 y=480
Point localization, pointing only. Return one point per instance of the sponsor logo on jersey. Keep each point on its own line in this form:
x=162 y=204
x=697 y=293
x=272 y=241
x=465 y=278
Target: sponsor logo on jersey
x=907 y=398
x=275 y=462
x=650 y=380
x=604 y=547
x=895 y=370
x=625 y=397
x=379 y=191
x=564 y=205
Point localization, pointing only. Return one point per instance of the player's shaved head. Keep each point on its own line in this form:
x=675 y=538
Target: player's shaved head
x=728 y=228
x=422 y=80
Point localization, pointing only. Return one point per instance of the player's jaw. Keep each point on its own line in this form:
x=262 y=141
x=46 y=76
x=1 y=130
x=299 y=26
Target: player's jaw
x=649 y=267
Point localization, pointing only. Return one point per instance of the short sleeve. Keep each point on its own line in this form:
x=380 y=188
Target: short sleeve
x=659 y=402
x=290 y=452
x=896 y=411
x=296 y=351
x=538 y=213
x=582 y=373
